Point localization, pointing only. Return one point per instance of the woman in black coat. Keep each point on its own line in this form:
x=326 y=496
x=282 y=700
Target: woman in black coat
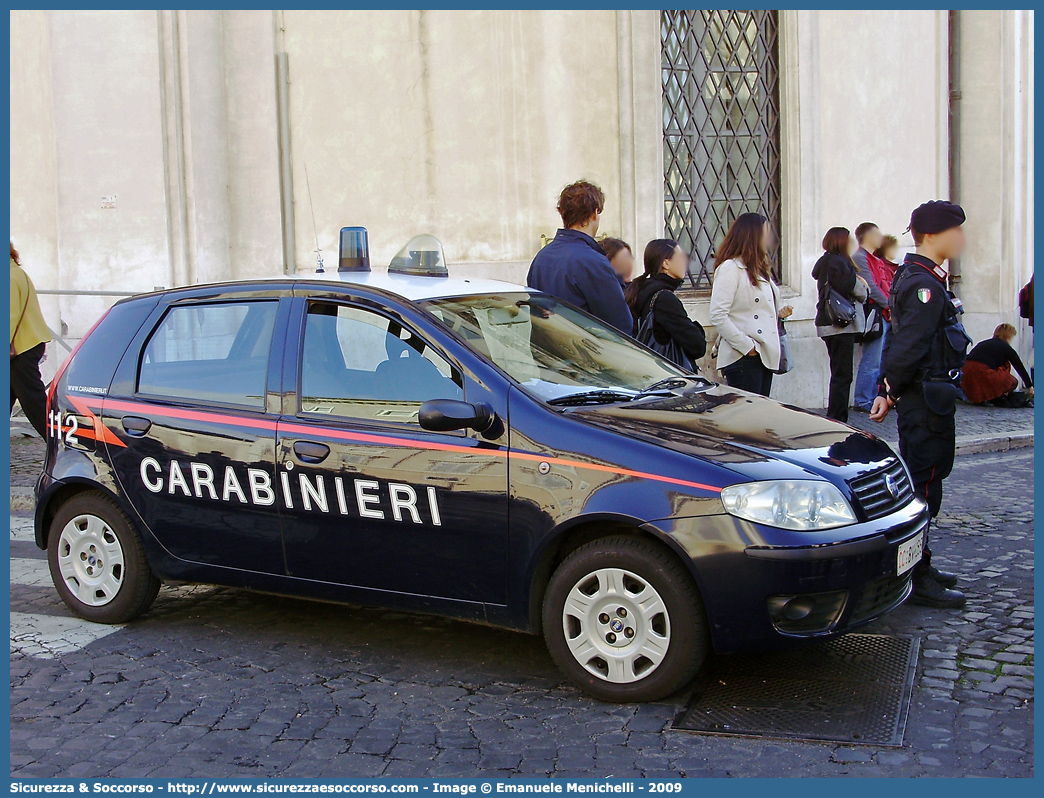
x=835 y=269
x=666 y=266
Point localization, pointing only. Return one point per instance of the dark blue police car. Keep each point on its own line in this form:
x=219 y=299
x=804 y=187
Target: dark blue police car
x=463 y=447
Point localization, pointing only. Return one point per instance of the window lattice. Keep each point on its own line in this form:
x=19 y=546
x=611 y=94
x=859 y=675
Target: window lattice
x=720 y=126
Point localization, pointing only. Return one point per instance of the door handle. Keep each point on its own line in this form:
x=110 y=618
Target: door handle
x=308 y=452
x=136 y=425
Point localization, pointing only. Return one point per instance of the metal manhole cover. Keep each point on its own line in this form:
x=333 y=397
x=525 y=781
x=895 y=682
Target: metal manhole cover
x=855 y=689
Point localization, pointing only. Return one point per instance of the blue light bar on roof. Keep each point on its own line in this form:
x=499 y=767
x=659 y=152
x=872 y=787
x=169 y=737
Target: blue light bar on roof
x=355 y=250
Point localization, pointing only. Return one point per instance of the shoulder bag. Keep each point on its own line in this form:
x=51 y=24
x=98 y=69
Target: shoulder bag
x=786 y=355
x=874 y=326
x=672 y=349
x=840 y=308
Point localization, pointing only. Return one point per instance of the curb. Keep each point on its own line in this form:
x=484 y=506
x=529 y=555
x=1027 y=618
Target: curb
x=22 y=498
x=994 y=443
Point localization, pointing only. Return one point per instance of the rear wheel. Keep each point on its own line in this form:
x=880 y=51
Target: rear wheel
x=624 y=620
x=97 y=562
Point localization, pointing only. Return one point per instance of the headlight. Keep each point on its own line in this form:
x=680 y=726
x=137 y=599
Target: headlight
x=790 y=504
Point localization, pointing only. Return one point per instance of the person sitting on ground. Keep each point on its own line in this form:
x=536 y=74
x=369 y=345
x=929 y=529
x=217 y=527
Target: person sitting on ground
x=573 y=267
x=987 y=376
x=620 y=258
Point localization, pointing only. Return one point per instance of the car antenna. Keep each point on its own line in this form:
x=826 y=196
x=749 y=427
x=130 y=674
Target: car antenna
x=318 y=250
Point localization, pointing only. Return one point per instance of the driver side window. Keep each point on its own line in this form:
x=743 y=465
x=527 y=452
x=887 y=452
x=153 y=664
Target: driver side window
x=360 y=364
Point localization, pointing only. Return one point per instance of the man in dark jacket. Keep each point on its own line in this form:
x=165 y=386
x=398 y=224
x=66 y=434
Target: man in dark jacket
x=573 y=266
x=922 y=360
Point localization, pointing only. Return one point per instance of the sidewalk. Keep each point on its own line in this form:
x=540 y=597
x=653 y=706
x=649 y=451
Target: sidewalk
x=979 y=428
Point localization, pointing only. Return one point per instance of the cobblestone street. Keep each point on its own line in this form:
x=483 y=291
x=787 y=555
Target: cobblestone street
x=224 y=683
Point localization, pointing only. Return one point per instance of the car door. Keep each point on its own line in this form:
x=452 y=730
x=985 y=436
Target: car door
x=191 y=406
x=370 y=499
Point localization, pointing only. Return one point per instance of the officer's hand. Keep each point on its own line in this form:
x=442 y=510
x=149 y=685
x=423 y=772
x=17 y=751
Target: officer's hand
x=1029 y=392
x=882 y=404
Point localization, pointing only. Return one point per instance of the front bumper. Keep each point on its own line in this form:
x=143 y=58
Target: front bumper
x=747 y=573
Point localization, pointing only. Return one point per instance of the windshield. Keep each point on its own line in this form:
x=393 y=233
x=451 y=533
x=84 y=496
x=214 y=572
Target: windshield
x=551 y=348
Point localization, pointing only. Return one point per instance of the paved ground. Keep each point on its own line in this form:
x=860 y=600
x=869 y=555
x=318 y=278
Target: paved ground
x=218 y=682
x=974 y=423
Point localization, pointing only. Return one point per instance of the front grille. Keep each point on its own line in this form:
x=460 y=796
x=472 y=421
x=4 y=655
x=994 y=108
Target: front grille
x=879 y=595
x=873 y=495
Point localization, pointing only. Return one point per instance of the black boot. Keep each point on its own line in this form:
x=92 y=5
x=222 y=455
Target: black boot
x=944 y=578
x=932 y=594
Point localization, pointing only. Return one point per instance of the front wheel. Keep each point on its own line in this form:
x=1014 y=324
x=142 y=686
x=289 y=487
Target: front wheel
x=97 y=561
x=624 y=620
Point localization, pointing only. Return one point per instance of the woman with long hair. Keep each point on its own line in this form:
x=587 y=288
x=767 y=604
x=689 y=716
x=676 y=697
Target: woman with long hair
x=745 y=306
x=836 y=270
x=666 y=265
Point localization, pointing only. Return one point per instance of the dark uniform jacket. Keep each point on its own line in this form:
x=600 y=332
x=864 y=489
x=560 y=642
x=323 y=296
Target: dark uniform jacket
x=926 y=339
x=574 y=268
x=670 y=319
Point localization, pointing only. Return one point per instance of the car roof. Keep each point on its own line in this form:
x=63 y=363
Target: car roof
x=411 y=287
x=416 y=288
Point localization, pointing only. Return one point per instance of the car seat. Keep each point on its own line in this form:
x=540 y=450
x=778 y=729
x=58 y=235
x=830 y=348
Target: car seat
x=408 y=376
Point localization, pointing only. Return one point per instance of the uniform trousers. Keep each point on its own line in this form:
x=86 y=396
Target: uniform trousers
x=927 y=442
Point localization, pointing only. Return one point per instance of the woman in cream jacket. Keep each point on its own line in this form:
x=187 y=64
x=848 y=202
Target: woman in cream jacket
x=745 y=306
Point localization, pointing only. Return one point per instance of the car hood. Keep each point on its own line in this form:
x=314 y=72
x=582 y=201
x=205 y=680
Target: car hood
x=750 y=434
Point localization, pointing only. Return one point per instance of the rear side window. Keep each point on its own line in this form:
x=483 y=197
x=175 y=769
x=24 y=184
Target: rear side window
x=92 y=369
x=210 y=353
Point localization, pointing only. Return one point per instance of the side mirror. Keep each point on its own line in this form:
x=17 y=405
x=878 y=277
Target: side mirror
x=446 y=415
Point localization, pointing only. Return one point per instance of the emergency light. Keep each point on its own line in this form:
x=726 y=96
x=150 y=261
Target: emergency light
x=355 y=250
x=421 y=257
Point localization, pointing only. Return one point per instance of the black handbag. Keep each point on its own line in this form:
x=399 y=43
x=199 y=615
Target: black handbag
x=672 y=349
x=840 y=308
x=874 y=326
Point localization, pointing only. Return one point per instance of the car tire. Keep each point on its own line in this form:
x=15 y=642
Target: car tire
x=624 y=621
x=97 y=561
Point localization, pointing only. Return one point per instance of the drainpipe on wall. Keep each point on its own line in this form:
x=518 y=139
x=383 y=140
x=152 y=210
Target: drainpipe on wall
x=286 y=171
x=954 y=143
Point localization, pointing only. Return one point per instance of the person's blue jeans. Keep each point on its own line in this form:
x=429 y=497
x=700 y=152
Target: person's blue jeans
x=869 y=371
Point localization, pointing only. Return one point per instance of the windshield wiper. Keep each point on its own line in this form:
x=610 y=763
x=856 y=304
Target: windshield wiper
x=665 y=386
x=596 y=397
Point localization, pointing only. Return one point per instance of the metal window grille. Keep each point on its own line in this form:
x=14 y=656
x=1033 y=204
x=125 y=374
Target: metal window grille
x=720 y=127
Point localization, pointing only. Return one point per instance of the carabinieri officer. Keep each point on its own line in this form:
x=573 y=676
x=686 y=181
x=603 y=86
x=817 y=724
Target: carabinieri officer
x=920 y=372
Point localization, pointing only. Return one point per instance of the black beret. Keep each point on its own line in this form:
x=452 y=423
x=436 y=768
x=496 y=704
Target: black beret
x=936 y=216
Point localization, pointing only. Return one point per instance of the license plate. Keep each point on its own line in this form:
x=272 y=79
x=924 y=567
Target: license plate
x=909 y=554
